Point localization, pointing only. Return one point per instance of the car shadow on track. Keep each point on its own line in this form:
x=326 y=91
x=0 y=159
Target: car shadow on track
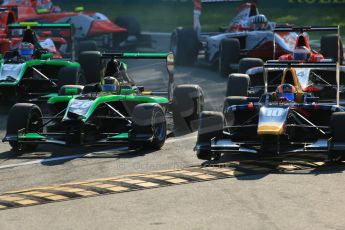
x=57 y=155
x=251 y=167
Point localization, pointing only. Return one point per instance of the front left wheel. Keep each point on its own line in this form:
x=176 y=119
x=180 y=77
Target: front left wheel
x=24 y=116
x=211 y=126
x=188 y=103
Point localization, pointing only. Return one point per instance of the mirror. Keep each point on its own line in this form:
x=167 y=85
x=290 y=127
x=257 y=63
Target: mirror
x=170 y=62
x=47 y=56
x=42 y=11
x=79 y=9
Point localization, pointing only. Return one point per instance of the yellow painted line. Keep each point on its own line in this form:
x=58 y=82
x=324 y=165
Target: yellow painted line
x=189 y=173
x=11 y=198
x=177 y=181
x=131 y=181
x=141 y=181
x=73 y=190
x=148 y=184
x=92 y=184
x=27 y=202
x=104 y=186
x=205 y=177
x=38 y=194
x=57 y=197
x=118 y=189
x=87 y=193
x=157 y=177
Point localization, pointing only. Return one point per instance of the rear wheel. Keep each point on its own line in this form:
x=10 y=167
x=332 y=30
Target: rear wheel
x=329 y=47
x=24 y=116
x=130 y=23
x=211 y=126
x=229 y=53
x=188 y=103
x=237 y=85
x=184 y=44
x=92 y=66
x=70 y=75
x=248 y=63
x=84 y=46
x=148 y=120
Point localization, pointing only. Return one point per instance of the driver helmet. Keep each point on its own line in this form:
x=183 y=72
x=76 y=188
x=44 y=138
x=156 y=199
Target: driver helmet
x=44 y=4
x=26 y=50
x=301 y=53
x=259 y=22
x=286 y=91
x=111 y=85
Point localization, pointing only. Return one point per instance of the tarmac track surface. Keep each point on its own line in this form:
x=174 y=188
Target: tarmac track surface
x=298 y=193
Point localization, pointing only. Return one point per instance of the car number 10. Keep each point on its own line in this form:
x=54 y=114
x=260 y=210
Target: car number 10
x=273 y=112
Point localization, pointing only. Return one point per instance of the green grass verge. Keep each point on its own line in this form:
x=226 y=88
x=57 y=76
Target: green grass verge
x=165 y=16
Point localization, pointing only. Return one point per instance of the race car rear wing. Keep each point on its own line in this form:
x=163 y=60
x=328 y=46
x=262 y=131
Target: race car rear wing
x=301 y=29
x=295 y=64
x=298 y=64
x=304 y=28
x=169 y=57
x=48 y=26
x=34 y=25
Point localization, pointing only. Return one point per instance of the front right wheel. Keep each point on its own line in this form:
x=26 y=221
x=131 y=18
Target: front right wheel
x=148 y=121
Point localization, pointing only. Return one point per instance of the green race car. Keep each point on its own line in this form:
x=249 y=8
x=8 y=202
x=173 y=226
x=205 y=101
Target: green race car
x=30 y=78
x=115 y=111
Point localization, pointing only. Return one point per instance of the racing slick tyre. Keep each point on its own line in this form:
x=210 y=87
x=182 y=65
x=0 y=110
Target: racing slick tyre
x=248 y=63
x=211 y=126
x=184 y=44
x=148 y=121
x=130 y=23
x=70 y=75
x=237 y=85
x=91 y=65
x=20 y=116
x=84 y=46
x=230 y=101
x=329 y=47
x=187 y=105
x=229 y=53
x=337 y=124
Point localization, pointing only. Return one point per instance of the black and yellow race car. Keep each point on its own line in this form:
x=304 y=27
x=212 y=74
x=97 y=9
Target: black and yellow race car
x=273 y=124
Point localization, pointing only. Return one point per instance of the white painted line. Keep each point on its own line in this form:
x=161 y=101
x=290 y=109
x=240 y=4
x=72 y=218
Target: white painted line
x=93 y=154
x=41 y=161
x=178 y=139
x=110 y=151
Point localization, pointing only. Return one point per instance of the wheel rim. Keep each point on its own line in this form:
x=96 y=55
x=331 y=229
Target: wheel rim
x=159 y=129
x=35 y=123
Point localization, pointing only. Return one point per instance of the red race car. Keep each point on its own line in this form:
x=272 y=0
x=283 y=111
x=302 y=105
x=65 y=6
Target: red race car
x=97 y=26
x=302 y=52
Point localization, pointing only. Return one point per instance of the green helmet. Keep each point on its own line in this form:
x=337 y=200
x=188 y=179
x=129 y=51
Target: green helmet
x=111 y=85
